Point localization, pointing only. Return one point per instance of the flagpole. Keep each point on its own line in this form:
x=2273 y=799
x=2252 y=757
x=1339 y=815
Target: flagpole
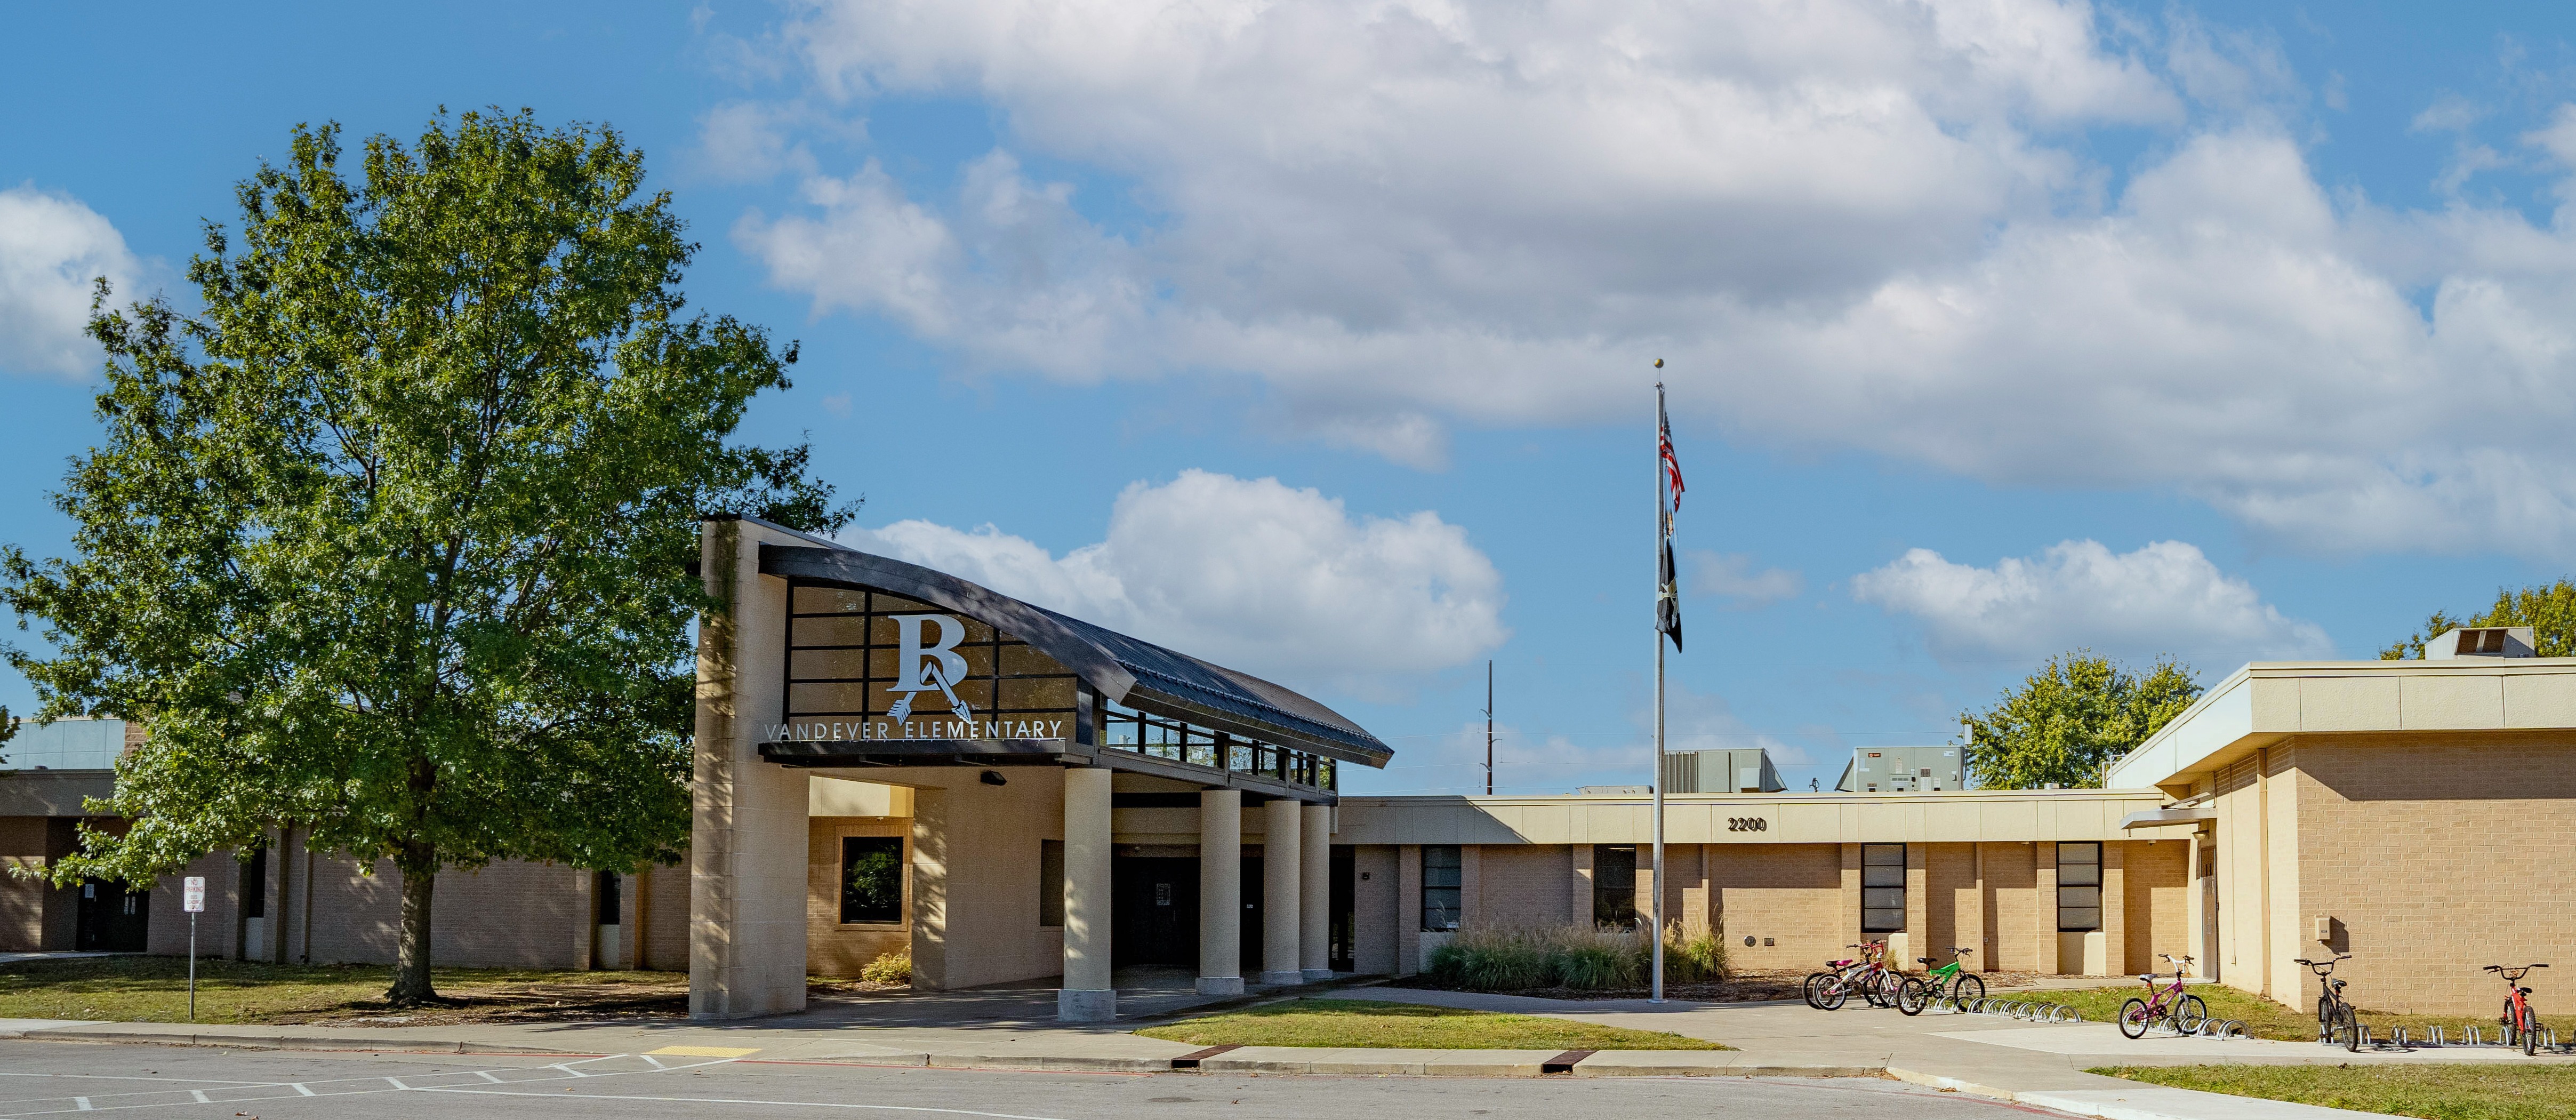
x=1656 y=993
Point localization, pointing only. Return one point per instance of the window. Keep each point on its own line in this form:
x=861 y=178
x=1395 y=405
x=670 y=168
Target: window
x=1050 y=882
x=1442 y=872
x=1882 y=888
x=2079 y=887
x=254 y=885
x=1614 y=885
x=605 y=894
x=872 y=879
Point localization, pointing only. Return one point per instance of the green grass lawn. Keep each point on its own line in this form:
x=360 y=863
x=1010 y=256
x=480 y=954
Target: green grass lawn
x=2263 y=1018
x=2482 y=1091
x=1353 y=1022
x=155 y=990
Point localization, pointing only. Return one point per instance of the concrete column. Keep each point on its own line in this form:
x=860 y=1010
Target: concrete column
x=1220 y=892
x=1578 y=903
x=1408 y=909
x=1280 y=884
x=1087 y=996
x=2043 y=857
x=929 y=890
x=1315 y=893
x=747 y=841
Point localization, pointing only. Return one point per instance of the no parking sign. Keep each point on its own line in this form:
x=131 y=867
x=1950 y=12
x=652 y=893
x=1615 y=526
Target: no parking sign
x=192 y=894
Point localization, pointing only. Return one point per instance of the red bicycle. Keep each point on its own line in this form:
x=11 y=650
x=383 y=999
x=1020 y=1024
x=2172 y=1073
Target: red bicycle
x=2520 y=1022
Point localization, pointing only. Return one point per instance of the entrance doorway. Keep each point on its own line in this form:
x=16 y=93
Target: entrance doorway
x=1344 y=910
x=111 y=919
x=1154 y=911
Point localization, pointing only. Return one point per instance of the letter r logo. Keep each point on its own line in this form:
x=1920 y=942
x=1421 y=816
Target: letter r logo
x=913 y=658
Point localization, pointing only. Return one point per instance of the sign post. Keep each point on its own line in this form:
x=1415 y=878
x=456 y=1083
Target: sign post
x=192 y=898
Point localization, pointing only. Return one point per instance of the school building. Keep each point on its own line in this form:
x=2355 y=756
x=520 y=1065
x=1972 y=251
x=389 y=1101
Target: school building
x=890 y=758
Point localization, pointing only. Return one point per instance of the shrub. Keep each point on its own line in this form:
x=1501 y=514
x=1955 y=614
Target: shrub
x=1694 y=958
x=1580 y=957
x=889 y=968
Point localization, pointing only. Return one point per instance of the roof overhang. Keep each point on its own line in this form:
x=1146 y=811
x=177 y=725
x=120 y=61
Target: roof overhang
x=2156 y=818
x=994 y=753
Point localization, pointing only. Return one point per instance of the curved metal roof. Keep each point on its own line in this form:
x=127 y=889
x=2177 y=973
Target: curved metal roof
x=1119 y=667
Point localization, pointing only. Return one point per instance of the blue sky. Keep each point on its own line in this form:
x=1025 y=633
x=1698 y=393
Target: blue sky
x=2237 y=331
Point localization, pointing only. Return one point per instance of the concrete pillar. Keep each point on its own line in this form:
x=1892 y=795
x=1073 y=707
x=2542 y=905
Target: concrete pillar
x=2044 y=860
x=1087 y=996
x=747 y=837
x=929 y=890
x=1220 y=892
x=1578 y=903
x=1315 y=893
x=1280 y=884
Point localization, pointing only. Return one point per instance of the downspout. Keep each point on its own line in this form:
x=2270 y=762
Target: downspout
x=2263 y=864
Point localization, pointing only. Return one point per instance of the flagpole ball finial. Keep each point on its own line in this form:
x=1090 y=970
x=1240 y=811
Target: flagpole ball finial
x=1659 y=363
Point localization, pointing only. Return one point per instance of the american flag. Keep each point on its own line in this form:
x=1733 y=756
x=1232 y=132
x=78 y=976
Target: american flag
x=1664 y=441
x=1668 y=597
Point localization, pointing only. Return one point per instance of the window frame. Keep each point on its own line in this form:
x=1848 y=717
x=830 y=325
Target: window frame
x=850 y=845
x=1873 y=918
x=1614 y=898
x=2084 y=868
x=1454 y=864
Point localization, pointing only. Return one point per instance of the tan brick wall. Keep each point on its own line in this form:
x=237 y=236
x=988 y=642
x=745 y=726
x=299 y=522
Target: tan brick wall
x=2012 y=907
x=664 y=897
x=2437 y=855
x=22 y=901
x=1373 y=890
x=507 y=915
x=1789 y=893
x=832 y=948
x=166 y=934
x=2156 y=876
x=1408 y=909
x=1518 y=885
x=1950 y=900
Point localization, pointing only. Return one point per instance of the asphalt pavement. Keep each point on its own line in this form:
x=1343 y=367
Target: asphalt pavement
x=56 y=1078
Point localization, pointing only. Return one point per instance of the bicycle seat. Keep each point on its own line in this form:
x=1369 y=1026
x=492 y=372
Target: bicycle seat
x=1922 y=960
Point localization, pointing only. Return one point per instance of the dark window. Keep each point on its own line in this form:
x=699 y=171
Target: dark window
x=606 y=894
x=2079 y=887
x=872 y=879
x=1050 y=882
x=1442 y=872
x=1882 y=888
x=254 y=887
x=1614 y=885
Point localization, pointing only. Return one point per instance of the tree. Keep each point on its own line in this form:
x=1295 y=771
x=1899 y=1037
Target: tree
x=2549 y=609
x=392 y=539
x=2068 y=721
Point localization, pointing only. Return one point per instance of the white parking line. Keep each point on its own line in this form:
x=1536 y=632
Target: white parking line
x=735 y=1100
x=246 y=1092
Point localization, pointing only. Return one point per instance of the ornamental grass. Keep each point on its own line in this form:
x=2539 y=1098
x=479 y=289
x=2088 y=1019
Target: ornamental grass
x=1583 y=958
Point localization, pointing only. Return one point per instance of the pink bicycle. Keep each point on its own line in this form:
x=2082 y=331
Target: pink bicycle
x=2169 y=1005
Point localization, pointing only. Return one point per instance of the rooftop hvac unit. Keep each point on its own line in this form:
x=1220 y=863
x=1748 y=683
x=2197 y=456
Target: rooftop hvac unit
x=2480 y=641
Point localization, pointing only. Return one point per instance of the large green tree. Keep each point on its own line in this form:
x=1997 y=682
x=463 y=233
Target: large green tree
x=391 y=539
x=2068 y=721
x=2549 y=609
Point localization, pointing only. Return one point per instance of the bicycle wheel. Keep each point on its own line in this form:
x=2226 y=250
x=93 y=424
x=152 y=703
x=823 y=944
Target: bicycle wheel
x=1814 y=979
x=2512 y=1020
x=2133 y=1018
x=1913 y=996
x=1831 y=993
x=2530 y=1033
x=1967 y=986
x=2325 y=1020
x=2348 y=1028
x=2189 y=1013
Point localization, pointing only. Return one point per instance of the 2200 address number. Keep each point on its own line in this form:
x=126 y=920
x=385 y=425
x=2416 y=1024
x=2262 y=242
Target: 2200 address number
x=1747 y=824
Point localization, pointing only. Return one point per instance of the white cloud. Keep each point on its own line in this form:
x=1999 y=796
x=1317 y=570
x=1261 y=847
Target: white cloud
x=1730 y=575
x=1847 y=224
x=51 y=248
x=1251 y=574
x=2163 y=598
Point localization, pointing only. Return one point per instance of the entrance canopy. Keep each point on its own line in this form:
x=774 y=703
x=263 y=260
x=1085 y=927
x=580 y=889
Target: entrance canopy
x=895 y=664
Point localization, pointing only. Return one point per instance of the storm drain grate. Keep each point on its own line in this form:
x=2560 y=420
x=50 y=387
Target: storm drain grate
x=1192 y=1059
x=1563 y=1063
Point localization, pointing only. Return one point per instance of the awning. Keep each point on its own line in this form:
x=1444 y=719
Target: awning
x=2152 y=818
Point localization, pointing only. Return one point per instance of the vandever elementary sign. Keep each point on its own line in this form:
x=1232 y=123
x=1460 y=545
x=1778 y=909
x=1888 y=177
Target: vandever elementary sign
x=1006 y=722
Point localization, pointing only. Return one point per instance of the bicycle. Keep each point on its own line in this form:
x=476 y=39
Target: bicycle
x=1828 y=991
x=2519 y=1019
x=1951 y=981
x=2336 y=1021
x=2185 y=1013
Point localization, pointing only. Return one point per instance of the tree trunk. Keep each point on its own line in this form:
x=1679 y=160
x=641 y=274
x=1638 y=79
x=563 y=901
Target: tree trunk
x=418 y=863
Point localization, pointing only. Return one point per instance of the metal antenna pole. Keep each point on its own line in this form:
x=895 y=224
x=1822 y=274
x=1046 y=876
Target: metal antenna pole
x=1656 y=907
x=1489 y=727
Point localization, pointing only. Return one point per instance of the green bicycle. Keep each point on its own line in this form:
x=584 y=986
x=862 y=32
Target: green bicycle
x=1951 y=981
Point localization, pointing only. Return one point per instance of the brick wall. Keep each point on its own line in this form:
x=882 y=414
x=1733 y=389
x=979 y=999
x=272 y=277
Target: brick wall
x=2436 y=855
x=1519 y=885
x=2157 y=901
x=832 y=948
x=1373 y=891
x=1791 y=894
x=1951 y=905
x=22 y=901
x=2012 y=907
x=663 y=894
